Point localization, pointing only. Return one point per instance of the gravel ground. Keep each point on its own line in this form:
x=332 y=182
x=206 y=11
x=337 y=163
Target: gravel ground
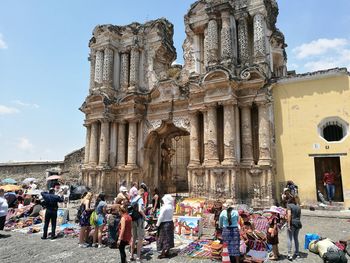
x=17 y=247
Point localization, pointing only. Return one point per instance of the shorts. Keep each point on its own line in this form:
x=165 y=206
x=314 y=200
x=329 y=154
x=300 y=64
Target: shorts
x=138 y=229
x=100 y=220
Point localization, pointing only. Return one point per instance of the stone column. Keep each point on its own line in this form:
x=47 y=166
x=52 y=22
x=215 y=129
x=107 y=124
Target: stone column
x=213 y=158
x=259 y=38
x=104 y=143
x=229 y=134
x=243 y=48
x=264 y=134
x=134 y=68
x=226 y=38
x=194 y=145
x=205 y=135
x=93 y=156
x=87 y=144
x=247 y=140
x=92 y=60
x=113 y=147
x=206 y=49
x=121 y=144
x=108 y=67
x=132 y=144
x=99 y=66
x=213 y=43
x=124 y=71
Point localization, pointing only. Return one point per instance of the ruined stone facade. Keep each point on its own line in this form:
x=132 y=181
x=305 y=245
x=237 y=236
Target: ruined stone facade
x=205 y=127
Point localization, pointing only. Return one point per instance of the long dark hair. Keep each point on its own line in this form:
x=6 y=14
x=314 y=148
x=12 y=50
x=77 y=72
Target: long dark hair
x=101 y=197
x=229 y=217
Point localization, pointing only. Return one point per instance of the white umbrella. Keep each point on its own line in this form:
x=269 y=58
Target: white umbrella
x=29 y=180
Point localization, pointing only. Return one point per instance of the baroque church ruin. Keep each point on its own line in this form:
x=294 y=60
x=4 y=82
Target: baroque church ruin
x=206 y=127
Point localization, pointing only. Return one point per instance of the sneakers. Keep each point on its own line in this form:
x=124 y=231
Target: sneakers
x=43 y=238
x=290 y=257
x=297 y=256
x=100 y=246
x=94 y=245
x=83 y=245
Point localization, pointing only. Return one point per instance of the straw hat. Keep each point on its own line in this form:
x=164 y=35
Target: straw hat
x=228 y=203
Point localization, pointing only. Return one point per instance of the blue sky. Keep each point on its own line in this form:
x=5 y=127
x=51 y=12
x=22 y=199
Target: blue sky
x=44 y=72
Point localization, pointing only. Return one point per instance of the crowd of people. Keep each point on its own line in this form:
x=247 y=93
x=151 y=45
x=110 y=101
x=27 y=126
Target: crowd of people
x=125 y=220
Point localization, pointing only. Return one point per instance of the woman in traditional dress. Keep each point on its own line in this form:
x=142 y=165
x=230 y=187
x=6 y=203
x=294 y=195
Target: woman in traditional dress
x=228 y=222
x=165 y=224
x=84 y=220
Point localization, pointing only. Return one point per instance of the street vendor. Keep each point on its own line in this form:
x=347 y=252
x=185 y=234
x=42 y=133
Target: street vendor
x=36 y=208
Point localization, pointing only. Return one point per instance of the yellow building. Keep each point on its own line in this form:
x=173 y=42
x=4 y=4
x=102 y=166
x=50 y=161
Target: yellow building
x=312 y=115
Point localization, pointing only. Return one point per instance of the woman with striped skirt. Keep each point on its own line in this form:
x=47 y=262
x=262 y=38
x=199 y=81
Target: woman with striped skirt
x=228 y=222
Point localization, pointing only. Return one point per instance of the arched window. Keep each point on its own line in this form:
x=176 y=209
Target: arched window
x=333 y=129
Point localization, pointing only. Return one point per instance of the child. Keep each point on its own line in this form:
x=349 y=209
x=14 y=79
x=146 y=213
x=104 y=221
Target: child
x=272 y=238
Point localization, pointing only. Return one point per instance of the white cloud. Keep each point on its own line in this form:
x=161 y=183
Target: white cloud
x=319 y=47
x=323 y=54
x=3 y=44
x=7 y=110
x=24 y=104
x=24 y=144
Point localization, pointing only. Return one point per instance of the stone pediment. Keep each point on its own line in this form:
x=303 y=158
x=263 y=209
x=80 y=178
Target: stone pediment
x=216 y=75
x=165 y=92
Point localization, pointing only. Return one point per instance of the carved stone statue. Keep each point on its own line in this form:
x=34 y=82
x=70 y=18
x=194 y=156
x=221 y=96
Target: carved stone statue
x=167 y=154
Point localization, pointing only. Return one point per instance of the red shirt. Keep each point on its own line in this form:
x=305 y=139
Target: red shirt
x=127 y=231
x=329 y=178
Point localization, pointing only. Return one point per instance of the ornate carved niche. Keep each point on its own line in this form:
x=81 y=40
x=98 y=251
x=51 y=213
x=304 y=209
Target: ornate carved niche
x=199 y=186
x=219 y=183
x=216 y=76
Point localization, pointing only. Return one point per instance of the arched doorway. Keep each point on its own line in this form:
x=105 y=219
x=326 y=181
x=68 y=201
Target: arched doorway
x=167 y=154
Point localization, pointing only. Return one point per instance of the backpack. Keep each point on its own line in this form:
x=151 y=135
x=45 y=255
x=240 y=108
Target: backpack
x=133 y=210
x=79 y=213
x=93 y=218
x=334 y=256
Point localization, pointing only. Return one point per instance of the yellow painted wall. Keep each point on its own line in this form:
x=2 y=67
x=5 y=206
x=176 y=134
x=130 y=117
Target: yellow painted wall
x=299 y=106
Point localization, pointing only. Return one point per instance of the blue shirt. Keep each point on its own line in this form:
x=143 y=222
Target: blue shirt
x=223 y=221
x=100 y=206
x=140 y=203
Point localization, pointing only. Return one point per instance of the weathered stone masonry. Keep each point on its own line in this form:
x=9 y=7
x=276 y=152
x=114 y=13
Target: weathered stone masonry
x=141 y=116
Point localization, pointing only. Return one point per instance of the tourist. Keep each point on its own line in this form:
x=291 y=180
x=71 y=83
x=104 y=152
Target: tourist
x=84 y=219
x=133 y=190
x=145 y=194
x=155 y=202
x=51 y=203
x=228 y=221
x=124 y=232
x=113 y=220
x=165 y=224
x=138 y=220
x=123 y=194
x=3 y=209
x=328 y=182
x=100 y=209
x=294 y=225
x=36 y=208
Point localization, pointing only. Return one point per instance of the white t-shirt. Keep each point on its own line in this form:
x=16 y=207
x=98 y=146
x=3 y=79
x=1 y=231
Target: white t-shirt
x=3 y=207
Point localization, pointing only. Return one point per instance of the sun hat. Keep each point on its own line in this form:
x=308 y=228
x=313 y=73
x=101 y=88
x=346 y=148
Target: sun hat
x=273 y=209
x=123 y=189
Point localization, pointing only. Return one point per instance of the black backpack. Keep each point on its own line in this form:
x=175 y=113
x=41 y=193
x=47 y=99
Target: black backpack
x=334 y=256
x=133 y=210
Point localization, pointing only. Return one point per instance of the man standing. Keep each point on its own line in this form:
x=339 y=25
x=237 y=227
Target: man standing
x=328 y=181
x=3 y=209
x=51 y=203
x=138 y=219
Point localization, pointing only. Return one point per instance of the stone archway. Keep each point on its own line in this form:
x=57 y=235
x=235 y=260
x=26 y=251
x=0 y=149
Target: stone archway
x=166 y=156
